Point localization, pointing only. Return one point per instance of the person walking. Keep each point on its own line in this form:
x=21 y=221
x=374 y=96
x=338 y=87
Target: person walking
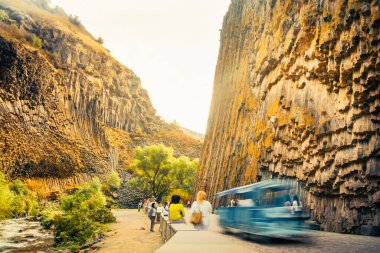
x=146 y=203
x=176 y=210
x=139 y=206
x=203 y=206
x=152 y=215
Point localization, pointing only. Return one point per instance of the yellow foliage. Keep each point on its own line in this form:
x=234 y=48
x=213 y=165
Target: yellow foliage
x=185 y=196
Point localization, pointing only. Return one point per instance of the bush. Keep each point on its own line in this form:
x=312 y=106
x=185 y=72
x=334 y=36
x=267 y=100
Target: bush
x=4 y=16
x=24 y=201
x=83 y=216
x=100 y=40
x=6 y=198
x=14 y=26
x=34 y=40
x=49 y=214
x=16 y=199
x=114 y=181
x=75 y=20
x=18 y=16
x=110 y=186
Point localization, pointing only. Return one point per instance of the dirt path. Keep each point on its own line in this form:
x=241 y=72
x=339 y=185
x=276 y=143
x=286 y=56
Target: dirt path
x=127 y=234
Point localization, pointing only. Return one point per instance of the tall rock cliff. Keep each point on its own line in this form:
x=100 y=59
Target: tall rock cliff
x=296 y=94
x=68 y=110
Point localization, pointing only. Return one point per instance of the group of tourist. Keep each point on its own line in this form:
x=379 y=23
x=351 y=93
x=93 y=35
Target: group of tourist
x=176 y=211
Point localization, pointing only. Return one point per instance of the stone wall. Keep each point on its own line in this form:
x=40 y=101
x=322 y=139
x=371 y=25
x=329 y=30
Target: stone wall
x=296 y=94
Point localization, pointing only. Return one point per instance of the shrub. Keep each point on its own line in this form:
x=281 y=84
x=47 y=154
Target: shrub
x=6 y=198
x=4 y=16
x=14 y=26
x=114 y=181
x=24 y=201
x=16 y=199
x=83 y=216
x=49 y=214
x=110 y=186
x=44 y=4
x=37 y=42
x=19 y=16
x=34 y=40
x=75 y=20
x=100 y=40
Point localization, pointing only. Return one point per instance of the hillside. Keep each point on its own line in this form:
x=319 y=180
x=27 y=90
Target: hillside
x=68 y=109
x=300 y=83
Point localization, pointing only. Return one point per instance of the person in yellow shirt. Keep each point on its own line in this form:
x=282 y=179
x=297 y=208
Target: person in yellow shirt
x=176 y=210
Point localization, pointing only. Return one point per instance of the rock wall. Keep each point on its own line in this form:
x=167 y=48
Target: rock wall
x=296 y=94
x=69 y=110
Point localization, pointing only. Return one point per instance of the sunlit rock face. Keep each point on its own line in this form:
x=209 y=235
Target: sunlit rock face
x=69 y=111
x=296 y=94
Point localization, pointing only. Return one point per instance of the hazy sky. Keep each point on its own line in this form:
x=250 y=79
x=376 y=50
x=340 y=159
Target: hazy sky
x=172 y=45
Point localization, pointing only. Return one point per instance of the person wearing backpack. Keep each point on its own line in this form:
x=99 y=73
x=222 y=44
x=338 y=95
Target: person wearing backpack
x=152 y=215
x=200 y=212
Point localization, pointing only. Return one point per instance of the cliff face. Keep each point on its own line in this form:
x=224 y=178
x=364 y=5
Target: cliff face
x=296 y=94
x=69 y=111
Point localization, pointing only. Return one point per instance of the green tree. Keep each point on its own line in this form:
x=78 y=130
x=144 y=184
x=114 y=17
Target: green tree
x=114 y=181
x=110 y=186
x=152 y=165
x=184 y=172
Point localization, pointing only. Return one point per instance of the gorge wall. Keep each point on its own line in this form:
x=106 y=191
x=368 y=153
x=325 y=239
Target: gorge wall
x=68 y=110
x=296 y=95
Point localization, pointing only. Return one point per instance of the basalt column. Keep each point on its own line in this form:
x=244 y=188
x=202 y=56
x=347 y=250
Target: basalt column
x=296 y=94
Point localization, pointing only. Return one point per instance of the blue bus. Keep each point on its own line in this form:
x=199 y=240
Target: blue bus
x=264 y=208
